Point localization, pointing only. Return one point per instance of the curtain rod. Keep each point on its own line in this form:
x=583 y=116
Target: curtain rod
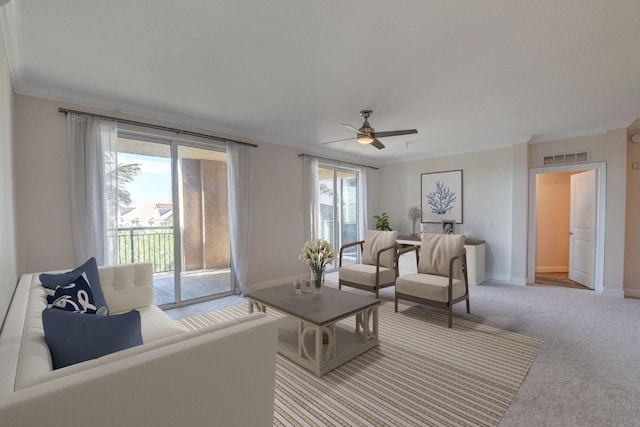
x=342 y=162
x=157 y=127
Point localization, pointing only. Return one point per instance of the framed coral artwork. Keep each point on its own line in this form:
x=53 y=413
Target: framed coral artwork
x=441 y=196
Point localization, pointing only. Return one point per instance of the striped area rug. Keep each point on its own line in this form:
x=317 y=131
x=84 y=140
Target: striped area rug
x=421 y=374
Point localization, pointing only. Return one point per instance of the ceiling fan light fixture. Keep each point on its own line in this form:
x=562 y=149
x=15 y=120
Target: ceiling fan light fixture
x=365 y=138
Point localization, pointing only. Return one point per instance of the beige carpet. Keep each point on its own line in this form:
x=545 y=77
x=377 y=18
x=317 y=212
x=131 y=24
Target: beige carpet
x=421 y=374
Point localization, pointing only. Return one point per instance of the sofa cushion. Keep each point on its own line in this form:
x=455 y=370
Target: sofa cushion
x=127 y=287
x=90 y=268
x=76 y=337
x=375 y=240
x=156 y=324
x=76 y=297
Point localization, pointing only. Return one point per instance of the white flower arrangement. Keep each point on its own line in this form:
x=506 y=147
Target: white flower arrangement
x=317 y=254
x=415 y=213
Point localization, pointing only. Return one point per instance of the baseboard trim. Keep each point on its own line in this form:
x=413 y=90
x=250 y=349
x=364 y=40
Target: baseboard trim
x=500 y=278
x=613 y=293
x=518 y=281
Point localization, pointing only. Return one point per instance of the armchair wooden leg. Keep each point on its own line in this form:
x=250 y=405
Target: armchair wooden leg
x=396 y=304
x=450 y=316
x=468 y=309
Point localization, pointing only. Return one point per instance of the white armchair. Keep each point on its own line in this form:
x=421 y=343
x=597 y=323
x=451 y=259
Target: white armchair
x=379 y=262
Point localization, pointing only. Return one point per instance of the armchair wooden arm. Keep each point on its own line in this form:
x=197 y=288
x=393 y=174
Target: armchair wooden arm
x=413 y=248
x=452 y=261
x=408 y=249
x=348 y=245
x=395 y=258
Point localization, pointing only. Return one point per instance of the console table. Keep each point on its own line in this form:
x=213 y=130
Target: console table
x=475 y=257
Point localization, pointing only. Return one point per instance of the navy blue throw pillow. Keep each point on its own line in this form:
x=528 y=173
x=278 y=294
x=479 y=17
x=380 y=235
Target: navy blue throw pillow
x=90 y=268
x=76 y=337
x=76 y=297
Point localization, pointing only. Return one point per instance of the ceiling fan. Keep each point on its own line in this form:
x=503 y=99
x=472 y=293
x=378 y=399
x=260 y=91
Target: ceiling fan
x=368 y=135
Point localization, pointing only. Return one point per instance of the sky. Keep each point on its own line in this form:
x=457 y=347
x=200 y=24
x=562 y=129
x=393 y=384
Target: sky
x=154 y=180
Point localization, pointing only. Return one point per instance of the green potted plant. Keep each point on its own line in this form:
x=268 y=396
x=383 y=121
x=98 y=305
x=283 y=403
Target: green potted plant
x=382 y=222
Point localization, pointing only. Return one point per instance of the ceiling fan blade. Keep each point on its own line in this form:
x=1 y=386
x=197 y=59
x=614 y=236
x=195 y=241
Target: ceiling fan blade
x=396 y=133
x=339 y=140
x=377 y=144
x=351 y=128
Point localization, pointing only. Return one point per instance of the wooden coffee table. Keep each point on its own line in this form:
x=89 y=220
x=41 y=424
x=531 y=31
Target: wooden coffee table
x=306 y=319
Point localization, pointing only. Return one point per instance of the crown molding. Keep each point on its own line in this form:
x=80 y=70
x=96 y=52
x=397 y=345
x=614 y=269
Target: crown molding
x=10 y=23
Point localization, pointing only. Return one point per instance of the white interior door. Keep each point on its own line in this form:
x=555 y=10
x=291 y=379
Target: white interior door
x=582 y=234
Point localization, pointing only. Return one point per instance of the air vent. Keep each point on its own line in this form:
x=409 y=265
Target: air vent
x=567 y=158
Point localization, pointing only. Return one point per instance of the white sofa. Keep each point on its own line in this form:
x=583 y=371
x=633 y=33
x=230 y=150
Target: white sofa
x=220 y=375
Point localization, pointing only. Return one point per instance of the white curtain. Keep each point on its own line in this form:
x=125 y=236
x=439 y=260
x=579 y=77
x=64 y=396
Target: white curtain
x=364 y=202
x=240 y=177
x=92 y=149
x=311 y=198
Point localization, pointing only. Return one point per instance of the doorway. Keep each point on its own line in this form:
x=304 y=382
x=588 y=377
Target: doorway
x=564 y=229
x=552 y=248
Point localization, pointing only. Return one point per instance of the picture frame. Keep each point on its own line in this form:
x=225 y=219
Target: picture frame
x=448 y=226
x=441 y=196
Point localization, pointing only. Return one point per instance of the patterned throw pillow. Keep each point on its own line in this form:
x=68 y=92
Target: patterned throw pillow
x=75 y=296
x=92 y=276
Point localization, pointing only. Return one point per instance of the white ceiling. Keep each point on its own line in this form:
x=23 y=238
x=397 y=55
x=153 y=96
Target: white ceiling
x=468 y=74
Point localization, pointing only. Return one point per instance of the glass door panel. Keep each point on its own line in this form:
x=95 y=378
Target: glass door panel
x=327 y=206
x=145 y=214
x=349 y=214
x=204 y=223
x=339 y=209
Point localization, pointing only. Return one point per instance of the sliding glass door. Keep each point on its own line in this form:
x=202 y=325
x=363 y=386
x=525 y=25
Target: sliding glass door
x=339 y=208
x=173 y=213
x=204 y=223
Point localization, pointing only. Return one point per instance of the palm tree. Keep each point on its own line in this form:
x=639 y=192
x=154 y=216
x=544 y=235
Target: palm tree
x=125 y=174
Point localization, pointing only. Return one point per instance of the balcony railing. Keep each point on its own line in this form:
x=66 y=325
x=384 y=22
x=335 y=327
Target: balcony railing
x=143 y=244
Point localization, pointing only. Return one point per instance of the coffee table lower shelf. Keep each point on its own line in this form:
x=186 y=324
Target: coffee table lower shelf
x=304 y=344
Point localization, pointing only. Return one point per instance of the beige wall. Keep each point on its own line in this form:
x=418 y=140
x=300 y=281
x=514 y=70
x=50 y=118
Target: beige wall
x=487 y=178
x=278 y=233
x=43 y=200
x=632 y=230
x=8 y=265
x=519 y=214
